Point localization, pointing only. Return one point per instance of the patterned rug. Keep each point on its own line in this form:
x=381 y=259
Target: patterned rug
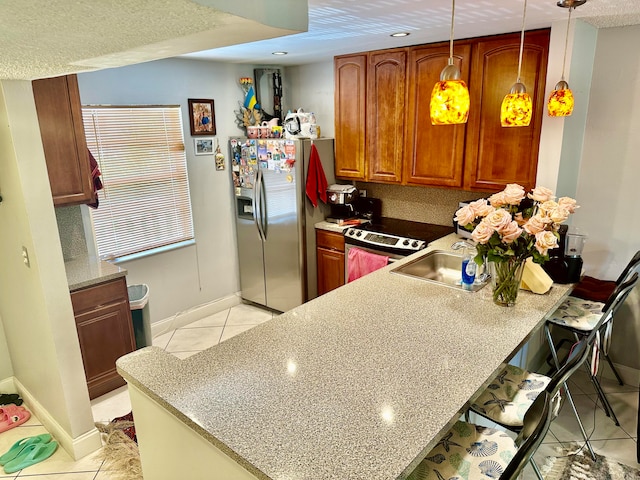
x=120 y=451
x=580 y=466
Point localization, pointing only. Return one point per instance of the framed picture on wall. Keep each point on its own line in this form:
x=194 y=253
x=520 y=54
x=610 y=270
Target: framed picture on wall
x=202 y=117
x=204 y=146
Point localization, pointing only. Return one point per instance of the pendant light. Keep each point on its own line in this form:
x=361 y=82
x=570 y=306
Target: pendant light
x=450 y=96
x=561 y=100
x=517 y=106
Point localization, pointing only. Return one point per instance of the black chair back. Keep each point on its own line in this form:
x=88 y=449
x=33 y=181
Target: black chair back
x=544 y=409
x=632 y=266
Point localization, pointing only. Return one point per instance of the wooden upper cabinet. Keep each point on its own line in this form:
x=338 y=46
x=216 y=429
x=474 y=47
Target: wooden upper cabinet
x=496 y=155
x=350 y=115
x=65 y=149
x=386 y=78
x=434 y=153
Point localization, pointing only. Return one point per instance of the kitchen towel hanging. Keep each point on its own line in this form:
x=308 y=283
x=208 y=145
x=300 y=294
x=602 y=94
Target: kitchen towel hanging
x=316 y=185
x=360 y=263
x=95 y=177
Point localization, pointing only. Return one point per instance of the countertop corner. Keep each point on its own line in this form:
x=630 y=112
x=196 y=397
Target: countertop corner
x=85 y=271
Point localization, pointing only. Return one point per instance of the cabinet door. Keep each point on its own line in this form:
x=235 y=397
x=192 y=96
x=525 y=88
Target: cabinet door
x=435 y=153
x=386 y=78
x=105 y=333
x=350 y=115
x=65 y=149
x=330 y=270
x=495 y=155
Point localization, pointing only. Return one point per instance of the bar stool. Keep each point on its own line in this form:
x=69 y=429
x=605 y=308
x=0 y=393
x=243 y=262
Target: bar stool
x=512 y=393
x=481 y=452
x=598 y=292
x=579 y=314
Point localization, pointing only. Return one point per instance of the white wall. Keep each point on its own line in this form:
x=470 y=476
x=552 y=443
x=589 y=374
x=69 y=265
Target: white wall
x=311 y=87
x=607 y=186
x=184 y=278
x=608 y=177
x=35 y=305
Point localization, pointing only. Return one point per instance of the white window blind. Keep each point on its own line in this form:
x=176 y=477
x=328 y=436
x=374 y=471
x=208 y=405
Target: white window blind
x=145 y=202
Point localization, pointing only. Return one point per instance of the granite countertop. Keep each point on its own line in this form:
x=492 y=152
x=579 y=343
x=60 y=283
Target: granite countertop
x=85 y=271
x=359 y=383
x=333 y=227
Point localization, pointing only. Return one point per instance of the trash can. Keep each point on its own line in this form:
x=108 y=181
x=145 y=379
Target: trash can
x=139 y=302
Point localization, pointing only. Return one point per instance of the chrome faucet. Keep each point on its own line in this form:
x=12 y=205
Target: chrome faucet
x=480 y=277
x=462 y=244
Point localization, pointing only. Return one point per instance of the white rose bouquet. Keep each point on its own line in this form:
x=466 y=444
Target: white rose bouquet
x=512 y=225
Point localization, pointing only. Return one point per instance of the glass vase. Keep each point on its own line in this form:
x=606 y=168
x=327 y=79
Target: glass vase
x=505 y=281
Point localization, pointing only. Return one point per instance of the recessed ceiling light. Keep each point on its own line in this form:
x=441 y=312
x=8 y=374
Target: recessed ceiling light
x=400 y=34
x=279 y=53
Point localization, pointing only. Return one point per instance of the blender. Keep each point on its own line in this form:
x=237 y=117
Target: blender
x=573 y=247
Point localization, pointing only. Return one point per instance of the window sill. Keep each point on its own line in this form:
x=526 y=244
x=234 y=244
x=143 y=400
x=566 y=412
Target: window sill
x=154 y=251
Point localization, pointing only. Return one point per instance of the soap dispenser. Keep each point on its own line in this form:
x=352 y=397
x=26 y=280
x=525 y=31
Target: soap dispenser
x=468 y=269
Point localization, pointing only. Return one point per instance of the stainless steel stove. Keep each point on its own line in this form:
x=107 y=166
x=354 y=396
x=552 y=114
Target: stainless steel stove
x=394 y=237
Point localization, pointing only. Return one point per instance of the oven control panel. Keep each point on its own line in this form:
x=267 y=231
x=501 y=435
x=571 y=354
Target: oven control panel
x=403 y=244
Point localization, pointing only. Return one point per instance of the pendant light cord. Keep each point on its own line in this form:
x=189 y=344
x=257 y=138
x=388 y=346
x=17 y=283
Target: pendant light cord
x=566 y=44
x=453 y=12
x=524 y=14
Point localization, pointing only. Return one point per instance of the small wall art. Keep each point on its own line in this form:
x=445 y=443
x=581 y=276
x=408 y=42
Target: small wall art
x=202 y=117
x=203 y=146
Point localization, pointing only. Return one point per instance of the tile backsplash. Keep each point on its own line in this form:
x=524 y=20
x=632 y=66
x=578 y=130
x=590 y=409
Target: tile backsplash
x=420 y=204
x=71 y=231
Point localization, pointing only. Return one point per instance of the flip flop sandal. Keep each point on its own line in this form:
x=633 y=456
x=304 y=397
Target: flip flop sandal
x=11 y=408
x=7 y=398
x=20 y=445
x=32 y=454
x=13 y=417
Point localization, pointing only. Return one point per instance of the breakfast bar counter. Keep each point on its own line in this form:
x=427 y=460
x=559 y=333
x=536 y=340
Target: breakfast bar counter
x=359 y=383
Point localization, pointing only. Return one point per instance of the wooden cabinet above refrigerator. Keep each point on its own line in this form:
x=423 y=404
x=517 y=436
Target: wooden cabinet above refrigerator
x=65 y=148
x=402 y=145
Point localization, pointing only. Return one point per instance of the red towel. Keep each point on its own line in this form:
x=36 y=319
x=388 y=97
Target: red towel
x=316 y=180
x=95 y=176
x=361 y=262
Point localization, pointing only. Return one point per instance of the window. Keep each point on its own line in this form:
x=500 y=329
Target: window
x=145 y=203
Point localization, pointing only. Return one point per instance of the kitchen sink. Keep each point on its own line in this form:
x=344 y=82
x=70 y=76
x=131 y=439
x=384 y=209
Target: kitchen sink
x=439 y=267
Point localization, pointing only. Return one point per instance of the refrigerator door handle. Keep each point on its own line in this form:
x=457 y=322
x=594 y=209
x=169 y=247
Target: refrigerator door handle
x=263 y=208
x=257 y=197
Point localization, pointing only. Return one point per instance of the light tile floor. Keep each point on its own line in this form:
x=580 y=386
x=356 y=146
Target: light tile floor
x=607 y=439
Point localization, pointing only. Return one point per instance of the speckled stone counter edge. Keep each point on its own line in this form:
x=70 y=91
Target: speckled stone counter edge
x=84 y=272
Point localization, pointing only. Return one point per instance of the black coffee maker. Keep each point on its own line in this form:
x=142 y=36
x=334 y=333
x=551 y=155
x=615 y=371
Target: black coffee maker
x=556 y=267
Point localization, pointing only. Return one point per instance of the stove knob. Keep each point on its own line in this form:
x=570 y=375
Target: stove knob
x=358 y=233
x=406 y=242
x=414 y=244
x=350 y=232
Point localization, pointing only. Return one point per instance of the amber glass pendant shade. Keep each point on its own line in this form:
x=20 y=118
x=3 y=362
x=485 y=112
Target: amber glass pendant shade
x=561 y=101
x=450 y=96
x=517 y=107
x=449 y=103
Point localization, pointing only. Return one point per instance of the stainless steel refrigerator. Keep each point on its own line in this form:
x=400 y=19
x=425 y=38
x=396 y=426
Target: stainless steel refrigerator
x=275 y=220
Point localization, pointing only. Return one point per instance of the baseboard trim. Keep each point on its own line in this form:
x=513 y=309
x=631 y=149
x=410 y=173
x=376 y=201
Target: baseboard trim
x=194 y=314
x=77 y=447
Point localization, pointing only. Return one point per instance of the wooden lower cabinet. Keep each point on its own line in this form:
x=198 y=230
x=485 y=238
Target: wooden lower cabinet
x=105 y=332
x=330 y=258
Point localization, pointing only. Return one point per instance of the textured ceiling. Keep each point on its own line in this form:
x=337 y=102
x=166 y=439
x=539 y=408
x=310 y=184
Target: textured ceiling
x=40 y=39
x=46 y=38
x=344 y=26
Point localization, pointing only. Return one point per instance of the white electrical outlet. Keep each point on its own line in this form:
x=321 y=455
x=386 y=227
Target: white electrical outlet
x=363 y=193
x=25 y=257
